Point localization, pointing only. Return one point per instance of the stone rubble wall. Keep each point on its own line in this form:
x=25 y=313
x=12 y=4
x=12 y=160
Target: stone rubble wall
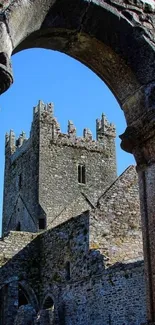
x=115 y=221
x=79 y=205
x=59 y=157
x=20 y=265
x=116 y=224
x=117 y=296
x=76 y=298
x=77 y=287
x=20 y=204
x=13 y=243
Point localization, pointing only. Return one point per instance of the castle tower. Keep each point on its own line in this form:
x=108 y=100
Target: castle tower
x=46 y=173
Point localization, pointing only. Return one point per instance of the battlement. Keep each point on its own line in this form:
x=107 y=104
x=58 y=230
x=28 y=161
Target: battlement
x=104 y=128
x=42 y=108
x=13 y=143
x=44 y=114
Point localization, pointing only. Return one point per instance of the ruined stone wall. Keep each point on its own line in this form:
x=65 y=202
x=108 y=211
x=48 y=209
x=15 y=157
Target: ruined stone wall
x=116 y=224
x=59 y=264
x=116 y=297
x=13 y=243
x=20 y=266
x=89 y=294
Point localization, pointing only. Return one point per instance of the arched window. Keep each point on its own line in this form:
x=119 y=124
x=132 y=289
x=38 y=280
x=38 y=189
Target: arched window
x=48 y=303
x=81 y=174
x=18 y=227
x=22 y=299
x=47 y=313
x=42 y=224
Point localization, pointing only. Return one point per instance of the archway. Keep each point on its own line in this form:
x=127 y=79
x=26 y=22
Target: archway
x=26 y=295
x=47 y=313
x=116 y=41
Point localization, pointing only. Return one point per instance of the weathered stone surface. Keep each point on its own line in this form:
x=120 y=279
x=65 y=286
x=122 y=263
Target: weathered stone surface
x=60 y=264
x=70 y=266
x=116 y=40
x=41 y=173
x=115 y=223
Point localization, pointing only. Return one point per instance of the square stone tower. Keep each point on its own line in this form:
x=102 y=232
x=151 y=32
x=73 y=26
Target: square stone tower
x=46 y=173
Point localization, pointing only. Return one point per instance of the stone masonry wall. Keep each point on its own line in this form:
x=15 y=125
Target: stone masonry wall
x=116 y=297
x=116 y=224
x=13 y=243
x=89 y=294
x=20 y=265
x=59 y=263
x=79 y=205
x=59 y=157
x=20 y=204
x=41 y=173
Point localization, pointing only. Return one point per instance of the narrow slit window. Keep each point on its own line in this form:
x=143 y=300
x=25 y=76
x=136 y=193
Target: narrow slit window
x=18 y=227
x=22 y=299
x=81 y=174
x=42 y=224
x=20 y=181
x=68 y=271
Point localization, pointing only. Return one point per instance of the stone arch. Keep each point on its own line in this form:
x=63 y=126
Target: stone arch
x=48 y=312
x=29 y=294
x=115 y=39
x=48 y=301
x=110 y=39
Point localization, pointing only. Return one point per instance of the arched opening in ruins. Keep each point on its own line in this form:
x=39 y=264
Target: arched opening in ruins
x=22 y=297
x=48 y=303
x=47 y=312
x=26 y=296
x=108 y=39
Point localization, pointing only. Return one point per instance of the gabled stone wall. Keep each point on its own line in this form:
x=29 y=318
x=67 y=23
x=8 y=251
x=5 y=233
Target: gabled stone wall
x=116 y=224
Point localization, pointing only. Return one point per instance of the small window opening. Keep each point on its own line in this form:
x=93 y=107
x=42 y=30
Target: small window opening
x=82 y=174
x=42 y=223
x=48 y=304
x=18 y=227
x=20 y=181
x=68 y=271
x=22 y=300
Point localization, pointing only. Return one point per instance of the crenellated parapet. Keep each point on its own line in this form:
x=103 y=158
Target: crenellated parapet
x=87 y=134
x=12 y=143
x=104 y=128
x=43 y=117
x=71 y=129
x=41 y=108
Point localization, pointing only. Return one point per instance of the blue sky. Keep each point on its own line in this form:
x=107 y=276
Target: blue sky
x=77 y=93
